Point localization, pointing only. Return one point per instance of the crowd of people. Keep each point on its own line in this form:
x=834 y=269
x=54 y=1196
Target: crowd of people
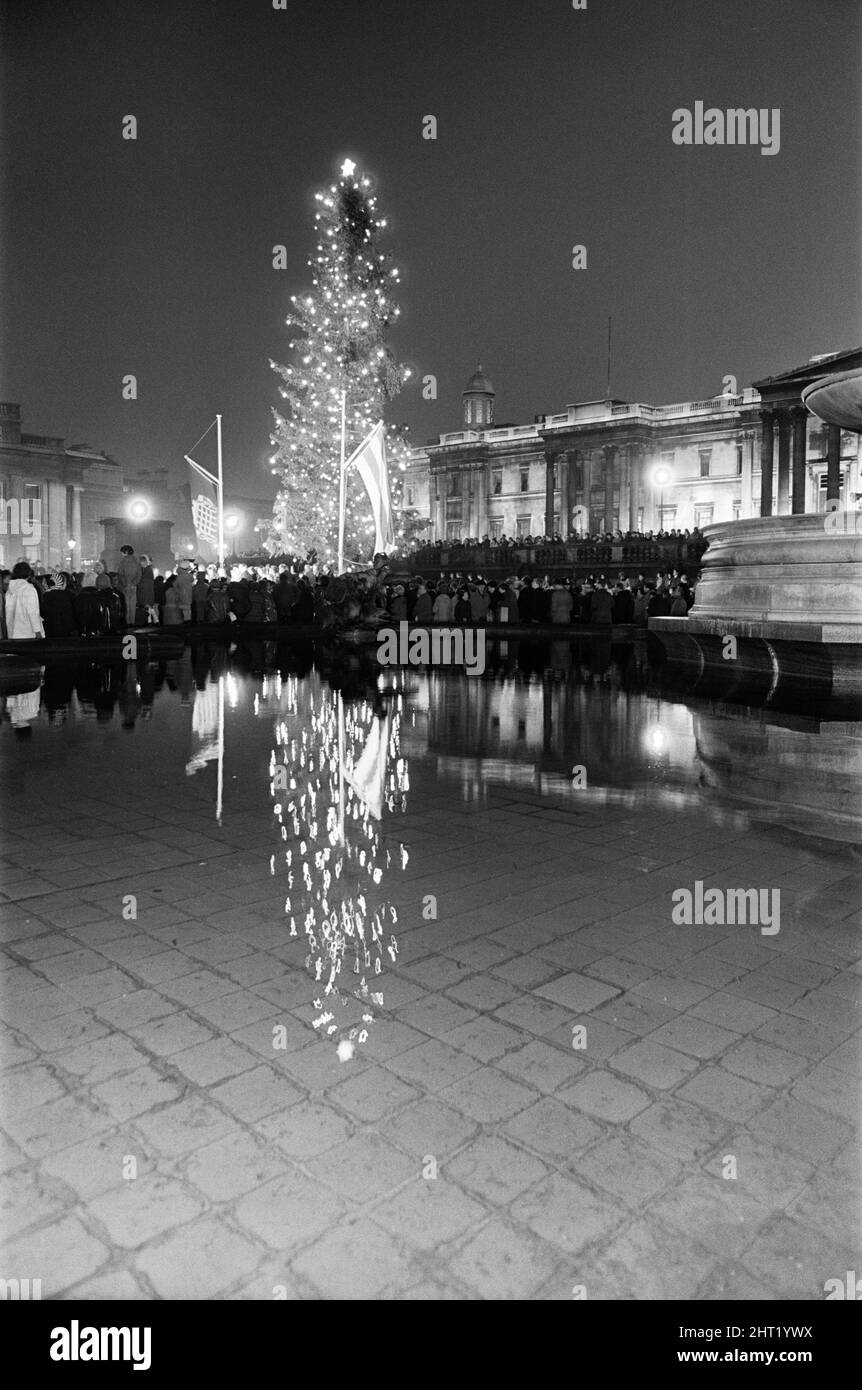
x=60 y=606
x=505 y=543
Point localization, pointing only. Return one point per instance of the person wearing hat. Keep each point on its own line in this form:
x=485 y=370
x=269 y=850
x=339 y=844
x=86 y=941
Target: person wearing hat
x=147 y=590
x=184 y=588
x=398 y=604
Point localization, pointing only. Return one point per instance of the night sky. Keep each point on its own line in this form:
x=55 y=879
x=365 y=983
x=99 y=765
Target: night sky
x=554 y=128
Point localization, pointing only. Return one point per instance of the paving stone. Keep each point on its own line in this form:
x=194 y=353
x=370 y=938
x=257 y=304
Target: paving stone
x=634 y=1013
x=502 y=1263
x=354 y=1261
x=487 y=1096
x=484 y=1038
x=565 y=1213
x=364 y=1168
x=731 y=1096
x=103 y=1058
x=796 y=1261
x=526 y=971
x=165 y=1036
x=433 y=1065
x=716 y=1213
x=305 y=1130
x=289 y=1211
x=533 y=1014
x=183 y=1126
x=646 y=1261
x=234 y=1165
x=213 y=1061
x=140 y=1006
x=144 y=1208
x=98 y=1165
x=437 y=1015
x=55 y=1125
x=429 y=1213
x=684 y=1132
x=542 y=1066
x=552 y=1130
x=494 y=1170
x=135 y=1092
x=60 y=1255
x=116 y=1286
x=794 y=1124
x=729 y=1011
x=605 y=1097
x=253 y=1094
x=694 y=1036
x=772 y=1175
x=372 y=1093
x=578 y=993
x=25 y=1200
x=26 y=1087
x=832 y=1090
x=654 y=1065
x=429 y=1128
x=625 y=1168
x=389 y=1037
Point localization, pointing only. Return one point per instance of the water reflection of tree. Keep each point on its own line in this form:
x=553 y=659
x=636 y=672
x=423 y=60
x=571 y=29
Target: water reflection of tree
x=335 y=771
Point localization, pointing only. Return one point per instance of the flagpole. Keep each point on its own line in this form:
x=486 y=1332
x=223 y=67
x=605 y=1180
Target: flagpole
x=220 y=497
x=340 y=768
x=341 y=483
x=220 y=786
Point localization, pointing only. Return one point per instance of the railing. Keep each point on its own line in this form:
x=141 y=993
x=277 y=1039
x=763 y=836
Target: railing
x=43 y=441
x=643 y=554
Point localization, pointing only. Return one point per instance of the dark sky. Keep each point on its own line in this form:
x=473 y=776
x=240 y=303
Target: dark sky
x=154 y=257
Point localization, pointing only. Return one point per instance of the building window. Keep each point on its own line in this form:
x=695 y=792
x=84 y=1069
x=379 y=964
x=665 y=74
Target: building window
x=704 y=456
x=640 y=526
x=525 y=480
x=523 y=526
x=737 y=508
x=453 y=485
x=496 y=528
x=556 y=523
x=703 y=516
x=668 y=519
x=453 y=510
x=410 y=497
x=453 y=530
x=739 y=460
x=496 y=481
x=33 y=492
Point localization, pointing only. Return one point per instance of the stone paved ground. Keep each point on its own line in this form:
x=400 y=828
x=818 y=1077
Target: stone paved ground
x=149 y=1043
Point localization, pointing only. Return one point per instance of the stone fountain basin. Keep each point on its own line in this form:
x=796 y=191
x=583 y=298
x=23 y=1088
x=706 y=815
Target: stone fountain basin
x=837 y=399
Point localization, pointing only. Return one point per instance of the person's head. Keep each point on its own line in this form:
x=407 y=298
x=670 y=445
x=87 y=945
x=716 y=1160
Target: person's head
x=145 y=560
x=22 y=570
x=126 y=550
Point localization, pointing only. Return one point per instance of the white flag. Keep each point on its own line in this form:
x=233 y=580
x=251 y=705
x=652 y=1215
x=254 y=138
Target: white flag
x=370 y=462
x=367 y=777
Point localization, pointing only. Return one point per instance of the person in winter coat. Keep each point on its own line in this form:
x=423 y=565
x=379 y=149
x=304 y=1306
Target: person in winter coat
x=398 y=604
x=59 y=619
x=184 y=586
x=479 y=604
x=423 y=610
x=641 y=607
x=463 y=611
x=23 y=620
x=678 y=605
x=147 y=587
x=442 y=610
x=624 y=605
x=601 y=605
x=561 y=605
x=173 y=616
x=525 y=602
x=200 y=596
x=218 y=606
x=128 y=578
x=103 y=579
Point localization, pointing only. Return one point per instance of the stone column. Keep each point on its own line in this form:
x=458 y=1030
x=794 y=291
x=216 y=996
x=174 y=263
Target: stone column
x=782 y=503
x=481 y=482
x=636 y=459
x=571 y=488
x=549 y=493
x=563 y=491
x=745 y=440
x=610 y=452
x=588 y=489
x=833 y=463
x=799 y=418
x=767 y=450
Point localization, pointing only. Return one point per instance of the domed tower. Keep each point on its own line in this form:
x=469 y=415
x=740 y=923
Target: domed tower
x=478 y=398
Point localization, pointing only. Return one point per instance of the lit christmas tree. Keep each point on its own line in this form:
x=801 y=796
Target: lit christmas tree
x=340 y=347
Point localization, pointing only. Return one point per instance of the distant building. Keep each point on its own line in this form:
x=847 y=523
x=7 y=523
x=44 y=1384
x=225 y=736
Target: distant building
x=606 y=465
x=52 y=496
x=246 y=518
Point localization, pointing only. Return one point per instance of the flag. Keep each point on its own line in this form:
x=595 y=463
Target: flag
x=369 y=460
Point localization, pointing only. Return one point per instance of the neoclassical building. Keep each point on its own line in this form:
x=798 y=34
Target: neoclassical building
x=612 y=464
x=52 y=497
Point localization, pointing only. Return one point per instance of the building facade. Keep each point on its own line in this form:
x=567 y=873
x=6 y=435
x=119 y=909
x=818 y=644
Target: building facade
x=603 y=466
x=53 y=497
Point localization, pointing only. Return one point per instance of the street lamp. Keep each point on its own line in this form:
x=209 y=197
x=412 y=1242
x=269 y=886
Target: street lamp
x=138 y=509
x=232 y=523
x=661 y=476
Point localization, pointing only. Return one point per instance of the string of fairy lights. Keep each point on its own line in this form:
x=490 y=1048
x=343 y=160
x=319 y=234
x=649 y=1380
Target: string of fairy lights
x=339 y=344
x=334 y=853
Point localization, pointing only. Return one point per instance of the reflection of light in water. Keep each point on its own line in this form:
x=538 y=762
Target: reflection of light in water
x=333 y=773
x=655 y=740
x=232 y=691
